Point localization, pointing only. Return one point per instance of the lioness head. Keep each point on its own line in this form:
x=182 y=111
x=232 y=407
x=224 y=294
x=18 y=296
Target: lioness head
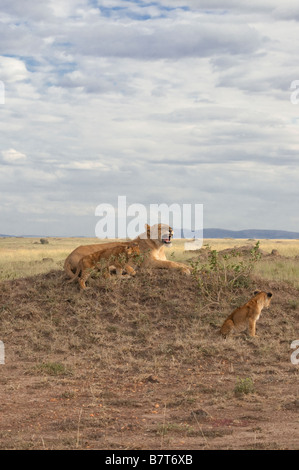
x=161 y=233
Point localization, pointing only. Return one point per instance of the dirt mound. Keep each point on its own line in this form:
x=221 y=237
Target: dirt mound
x=139 y=364
x=148 y=290
x=246 y=250
x=242 y=251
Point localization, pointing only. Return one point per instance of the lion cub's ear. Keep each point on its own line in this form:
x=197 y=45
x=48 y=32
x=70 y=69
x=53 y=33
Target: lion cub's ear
x=269 y=294
x=257 y=292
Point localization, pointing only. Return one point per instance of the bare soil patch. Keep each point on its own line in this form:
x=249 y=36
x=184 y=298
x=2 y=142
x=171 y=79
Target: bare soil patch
x=139 y=364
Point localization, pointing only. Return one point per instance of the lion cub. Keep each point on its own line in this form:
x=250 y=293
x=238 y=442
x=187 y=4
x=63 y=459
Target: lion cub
x=112 y=256
x=247 y=315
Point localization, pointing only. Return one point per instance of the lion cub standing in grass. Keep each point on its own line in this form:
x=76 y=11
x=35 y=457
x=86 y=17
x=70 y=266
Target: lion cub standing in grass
x=113 y=256
x=247 y=315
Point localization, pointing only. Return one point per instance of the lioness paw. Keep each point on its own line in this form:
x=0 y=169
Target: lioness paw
x=186 y=271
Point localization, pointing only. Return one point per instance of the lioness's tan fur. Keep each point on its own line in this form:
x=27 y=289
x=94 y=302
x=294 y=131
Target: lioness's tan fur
x=247 y=315
x=151 y=244
x=111 y=256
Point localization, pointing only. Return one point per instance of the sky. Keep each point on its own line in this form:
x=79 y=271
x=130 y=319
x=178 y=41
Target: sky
x=161 y=102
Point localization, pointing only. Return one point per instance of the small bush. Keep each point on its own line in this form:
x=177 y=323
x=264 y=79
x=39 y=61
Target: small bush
x=53 y=368
x=224 y=273
x=44 y=241
x=244 y=386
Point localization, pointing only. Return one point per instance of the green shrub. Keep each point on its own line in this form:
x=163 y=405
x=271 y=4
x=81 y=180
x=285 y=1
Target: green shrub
x=244 y=386
x=53 y=368
x=224 y=273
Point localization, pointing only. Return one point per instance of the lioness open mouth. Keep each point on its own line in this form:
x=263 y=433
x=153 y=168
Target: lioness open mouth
x=167 y=239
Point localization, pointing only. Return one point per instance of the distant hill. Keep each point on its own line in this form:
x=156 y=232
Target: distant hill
x=250 y=233
x=212 y=233
x=20 y=236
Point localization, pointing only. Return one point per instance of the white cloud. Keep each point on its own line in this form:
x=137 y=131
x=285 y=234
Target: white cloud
x=85 y=165
x=12 y=70
x=13 y=156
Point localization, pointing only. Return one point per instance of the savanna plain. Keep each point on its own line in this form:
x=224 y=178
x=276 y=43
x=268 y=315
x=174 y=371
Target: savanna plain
x=139 y=363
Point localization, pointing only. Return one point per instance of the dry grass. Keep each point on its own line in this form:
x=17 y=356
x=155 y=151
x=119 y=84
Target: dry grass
x=284 y=266
x=139 y=363
x=288 y=248
x=21 y=257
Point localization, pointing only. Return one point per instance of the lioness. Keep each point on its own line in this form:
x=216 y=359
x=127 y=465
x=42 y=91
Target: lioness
x=123 y=252
x=151 y=244
x=247 y=315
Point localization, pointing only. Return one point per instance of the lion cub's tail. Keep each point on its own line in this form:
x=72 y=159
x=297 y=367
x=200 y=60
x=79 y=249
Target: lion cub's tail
x=227 y=327
x=75 y=276
x=68 y=269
